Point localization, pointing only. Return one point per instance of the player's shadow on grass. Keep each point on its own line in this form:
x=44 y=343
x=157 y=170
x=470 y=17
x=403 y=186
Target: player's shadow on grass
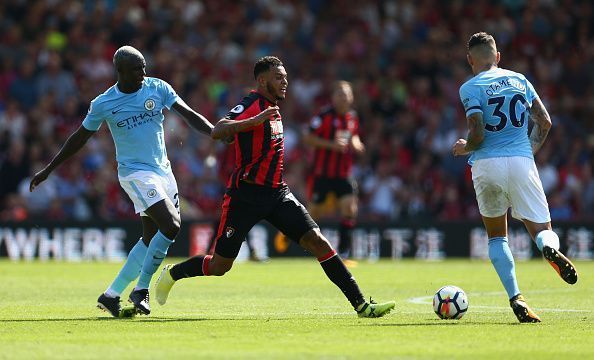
x=442 y=323
x=153 y=319
x=138 y=319
x=167 y=319
x=60 y=319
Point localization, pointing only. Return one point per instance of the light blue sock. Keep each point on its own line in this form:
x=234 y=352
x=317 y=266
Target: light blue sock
x=547 y=238
x=129 y=271
x=157 y=251
x=503 y=261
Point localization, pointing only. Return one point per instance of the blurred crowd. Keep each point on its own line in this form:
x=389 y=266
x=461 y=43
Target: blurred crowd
x=406 y=60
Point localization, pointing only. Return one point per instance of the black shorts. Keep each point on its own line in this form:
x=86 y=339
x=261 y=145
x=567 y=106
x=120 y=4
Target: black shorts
x=245 y=206
x=322 y=186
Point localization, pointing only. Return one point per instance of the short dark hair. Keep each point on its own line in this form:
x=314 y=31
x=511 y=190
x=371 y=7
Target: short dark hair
x=265 y=63
x=481 y=38
x=126 y=53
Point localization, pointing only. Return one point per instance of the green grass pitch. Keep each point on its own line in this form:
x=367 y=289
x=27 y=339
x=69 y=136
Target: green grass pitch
x=288 y=309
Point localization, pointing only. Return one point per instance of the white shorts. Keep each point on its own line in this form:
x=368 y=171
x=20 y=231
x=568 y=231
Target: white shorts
x=504 y=182
x=145 y=188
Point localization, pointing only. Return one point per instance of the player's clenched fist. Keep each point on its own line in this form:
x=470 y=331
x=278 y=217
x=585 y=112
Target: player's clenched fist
x=269 y=113
x=459 y=148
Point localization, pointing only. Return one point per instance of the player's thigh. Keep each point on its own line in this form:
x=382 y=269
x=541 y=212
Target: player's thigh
x=343 y=187
x=166 y=216
x=320 y=190
x=169 y=186
x=291 y=217
x=237 y=219
x=528 y=199
x=172 y=191
x=489 y=177
x=318 y=198
x=146 y=188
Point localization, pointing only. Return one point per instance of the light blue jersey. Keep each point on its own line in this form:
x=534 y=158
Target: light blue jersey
x=136 y=124
x=504 y=97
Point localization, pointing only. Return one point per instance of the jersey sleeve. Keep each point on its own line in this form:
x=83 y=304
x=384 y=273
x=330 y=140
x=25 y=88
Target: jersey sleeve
x=530 y=92
x=240 y=111
x=470 y=100
x=94 y=117
x=168 y=95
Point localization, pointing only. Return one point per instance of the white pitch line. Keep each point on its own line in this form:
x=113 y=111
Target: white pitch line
x=428 y=300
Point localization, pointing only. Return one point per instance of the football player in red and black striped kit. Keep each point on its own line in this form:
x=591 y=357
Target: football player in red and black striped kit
x=334 y=133
x=256 y=191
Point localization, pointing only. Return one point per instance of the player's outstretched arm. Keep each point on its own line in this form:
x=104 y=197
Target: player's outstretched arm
x=319 y=142
x=226 y=128
x=542 y=124
x=195 y=120
x=74 y=143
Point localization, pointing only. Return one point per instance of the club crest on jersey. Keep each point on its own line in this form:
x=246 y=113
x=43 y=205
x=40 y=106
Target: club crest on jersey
x=229 y=231
x=238 y=109
x=151 y=193
x=149 y=104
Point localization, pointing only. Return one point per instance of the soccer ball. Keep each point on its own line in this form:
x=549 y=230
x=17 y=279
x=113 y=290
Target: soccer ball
x=450 y=302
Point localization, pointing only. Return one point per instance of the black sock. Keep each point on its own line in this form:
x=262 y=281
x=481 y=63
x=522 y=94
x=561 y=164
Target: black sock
x=189 y=268
x=345 y=233
x=341 y=277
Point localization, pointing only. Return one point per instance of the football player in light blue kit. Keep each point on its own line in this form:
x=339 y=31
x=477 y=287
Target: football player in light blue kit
x=133 y=111
x=498 y=104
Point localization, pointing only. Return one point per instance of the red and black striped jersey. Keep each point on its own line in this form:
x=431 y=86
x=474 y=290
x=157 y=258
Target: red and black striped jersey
x=259 y=151
x=331 y=126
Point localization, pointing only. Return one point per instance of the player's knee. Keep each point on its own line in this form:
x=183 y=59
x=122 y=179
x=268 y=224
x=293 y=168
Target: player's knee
x=146 y=239
x=171 y=228
x=314 y=242
x=348 y=212
x=219 y=269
